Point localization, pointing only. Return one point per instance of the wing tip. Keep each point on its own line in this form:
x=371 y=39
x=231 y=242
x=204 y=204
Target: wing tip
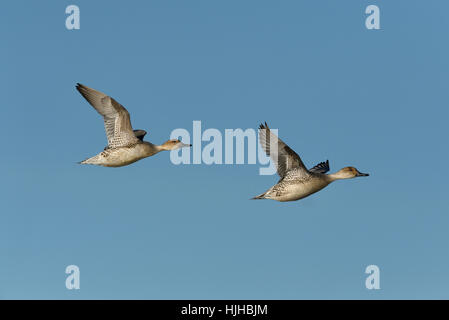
x=80 y=87
x=264 y=126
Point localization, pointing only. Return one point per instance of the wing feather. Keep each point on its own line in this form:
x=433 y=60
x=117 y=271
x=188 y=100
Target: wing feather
x=321 y=167
x=284 y=158
x=140 y=134
x=117 y=122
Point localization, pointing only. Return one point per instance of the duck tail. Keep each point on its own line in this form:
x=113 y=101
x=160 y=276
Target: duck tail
x=260 y=196
x=83 y=162
x=92 y=160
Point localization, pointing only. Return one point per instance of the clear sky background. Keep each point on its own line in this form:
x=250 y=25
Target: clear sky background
x=374 y=99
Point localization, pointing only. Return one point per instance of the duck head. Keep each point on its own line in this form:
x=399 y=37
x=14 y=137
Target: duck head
x=174 y=144
x=348 y=173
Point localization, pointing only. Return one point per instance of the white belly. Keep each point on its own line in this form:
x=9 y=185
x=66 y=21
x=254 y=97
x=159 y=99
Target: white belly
x=118 y=157
x=295 y=191
x=121 y=157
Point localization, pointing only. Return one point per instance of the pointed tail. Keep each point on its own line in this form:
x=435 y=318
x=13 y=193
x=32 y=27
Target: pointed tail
x=260 y=196
x=92 y=160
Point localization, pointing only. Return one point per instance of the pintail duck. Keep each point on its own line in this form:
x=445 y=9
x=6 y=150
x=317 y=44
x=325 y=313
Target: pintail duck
x=125 y=145
x=296 y=181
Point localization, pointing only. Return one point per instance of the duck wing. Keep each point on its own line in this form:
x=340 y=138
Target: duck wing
x=117 y=122
x=321 y=167
x=140 y=134
x=283 y=156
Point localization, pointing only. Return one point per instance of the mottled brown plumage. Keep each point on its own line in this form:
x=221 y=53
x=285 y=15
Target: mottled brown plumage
x=125 y=145
x=296 y=181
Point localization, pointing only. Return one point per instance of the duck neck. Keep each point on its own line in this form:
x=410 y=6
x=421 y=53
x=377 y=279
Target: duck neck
x=336 y=176
x=332 y=177
x=152 y=149
x=162 y=147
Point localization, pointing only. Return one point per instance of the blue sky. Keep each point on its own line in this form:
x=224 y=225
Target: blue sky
x=374 y=99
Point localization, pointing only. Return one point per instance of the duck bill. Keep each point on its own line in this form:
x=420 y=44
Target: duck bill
x=362 y=174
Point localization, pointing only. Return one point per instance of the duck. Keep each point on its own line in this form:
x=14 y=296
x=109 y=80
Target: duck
x=296 y=181
x=125 y=145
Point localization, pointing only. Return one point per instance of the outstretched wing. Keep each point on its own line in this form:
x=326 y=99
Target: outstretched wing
x=321 y=167
x=284 y=158
x=117 y=122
